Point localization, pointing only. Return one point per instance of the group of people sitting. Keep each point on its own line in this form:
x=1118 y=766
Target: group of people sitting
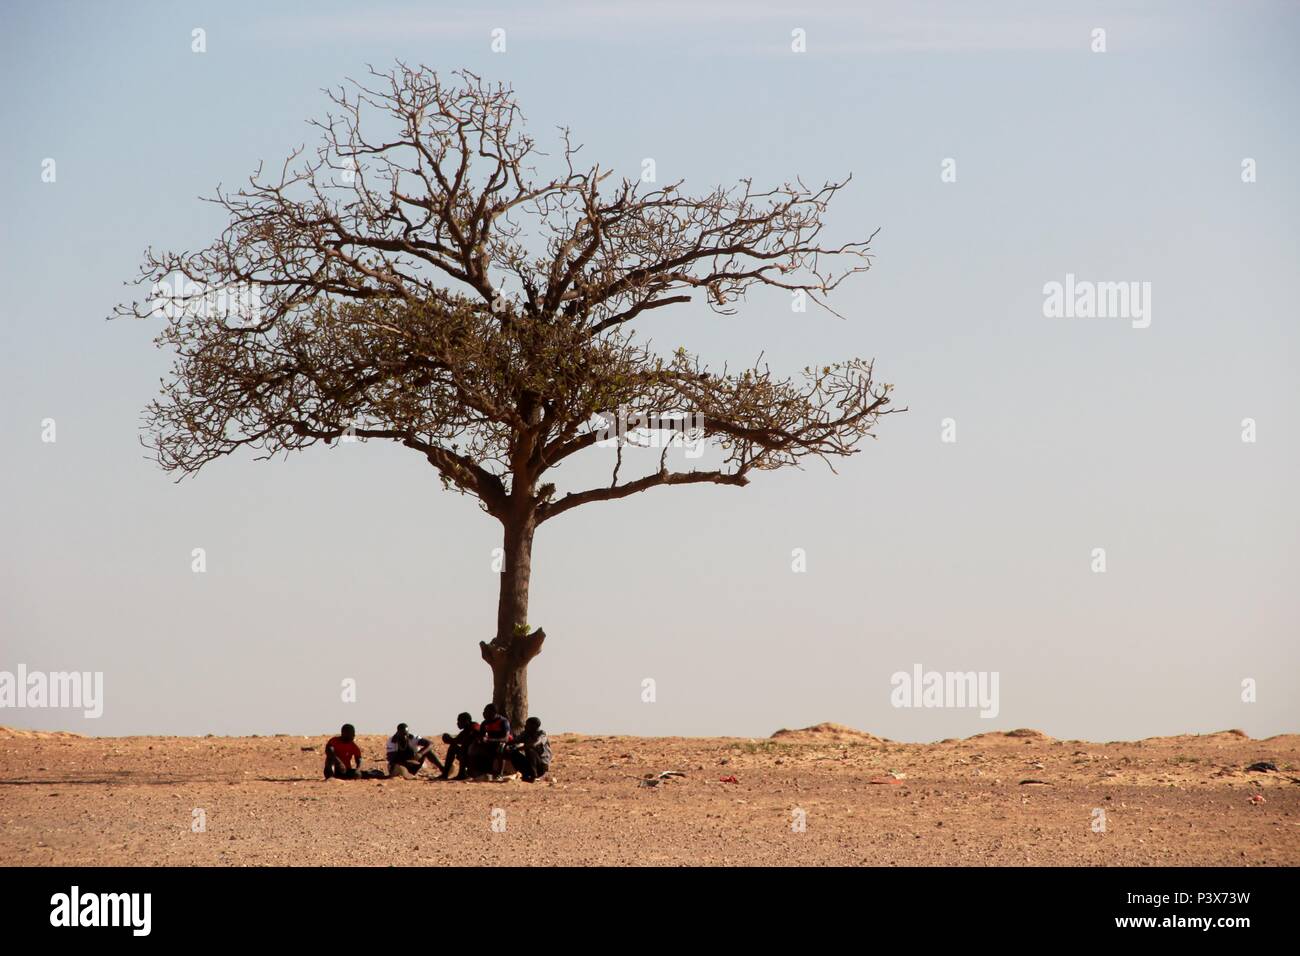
x=482 y=750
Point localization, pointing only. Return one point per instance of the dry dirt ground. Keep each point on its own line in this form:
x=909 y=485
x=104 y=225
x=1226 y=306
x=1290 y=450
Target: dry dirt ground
x=1189 y=800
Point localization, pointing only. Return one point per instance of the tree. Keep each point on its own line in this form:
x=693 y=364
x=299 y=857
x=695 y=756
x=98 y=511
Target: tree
x=420 y=284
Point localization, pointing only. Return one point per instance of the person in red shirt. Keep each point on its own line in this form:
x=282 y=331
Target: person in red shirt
x=343 y=756
x=487 y=755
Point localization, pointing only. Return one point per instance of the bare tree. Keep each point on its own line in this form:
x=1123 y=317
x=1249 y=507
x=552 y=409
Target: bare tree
x=420 y=284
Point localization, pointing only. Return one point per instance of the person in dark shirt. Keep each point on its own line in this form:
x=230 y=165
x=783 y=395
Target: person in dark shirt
x=458 y=746
x=487 y=754
x=342 y=755
x=409 y=751
x=530 y=753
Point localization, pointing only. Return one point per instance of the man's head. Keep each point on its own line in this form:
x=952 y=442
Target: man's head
x=532 y=725
x=401 y=730
x=463 y=719
x=348 y=732
x=489 y=711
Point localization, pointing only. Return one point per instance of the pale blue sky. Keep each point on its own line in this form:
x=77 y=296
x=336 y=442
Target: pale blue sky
x=1072 y=434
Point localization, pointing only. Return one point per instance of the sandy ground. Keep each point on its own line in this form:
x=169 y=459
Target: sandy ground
x=69 y=800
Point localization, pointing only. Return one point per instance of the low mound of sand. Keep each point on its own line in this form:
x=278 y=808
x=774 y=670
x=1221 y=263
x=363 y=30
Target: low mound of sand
x=1218 y=736
x=1025 y=733
x=827 y=733
x=14 y=733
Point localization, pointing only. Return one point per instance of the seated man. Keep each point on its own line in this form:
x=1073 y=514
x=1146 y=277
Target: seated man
x=343 y=756
x=531 y=751
x=459 y=745
x=408 y=751
x=487 y=754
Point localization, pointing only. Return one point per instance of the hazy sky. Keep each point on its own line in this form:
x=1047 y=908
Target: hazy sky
x=1072 y=434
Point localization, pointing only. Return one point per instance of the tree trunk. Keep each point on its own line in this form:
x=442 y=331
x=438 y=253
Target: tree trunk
x=510 y=651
